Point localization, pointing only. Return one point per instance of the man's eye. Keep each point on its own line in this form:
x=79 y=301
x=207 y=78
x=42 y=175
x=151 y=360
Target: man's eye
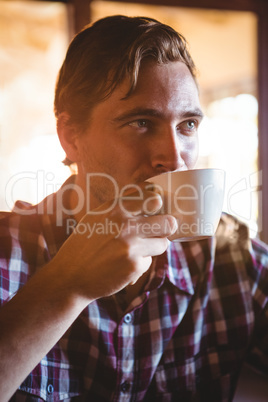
x=139 y=124
x=189 y=126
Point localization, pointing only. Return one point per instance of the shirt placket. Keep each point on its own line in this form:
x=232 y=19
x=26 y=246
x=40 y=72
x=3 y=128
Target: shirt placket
x=126 y=358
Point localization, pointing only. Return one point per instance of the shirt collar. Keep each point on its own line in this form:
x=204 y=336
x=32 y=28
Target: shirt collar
x=186 y=263
x=57 y=224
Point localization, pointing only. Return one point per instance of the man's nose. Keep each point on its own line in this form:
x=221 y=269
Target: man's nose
x=168 y=152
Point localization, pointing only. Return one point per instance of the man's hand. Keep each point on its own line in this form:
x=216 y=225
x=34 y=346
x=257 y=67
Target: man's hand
x=108 y=251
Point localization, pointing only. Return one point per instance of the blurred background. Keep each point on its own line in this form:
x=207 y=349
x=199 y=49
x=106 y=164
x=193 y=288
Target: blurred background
x=34 y=36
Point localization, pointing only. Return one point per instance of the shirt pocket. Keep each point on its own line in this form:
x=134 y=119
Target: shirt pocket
x=208 y=376
x=52 y=382
x=175 y=381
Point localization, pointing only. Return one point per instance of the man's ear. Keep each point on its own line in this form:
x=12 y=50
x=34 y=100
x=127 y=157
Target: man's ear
x=68 y=137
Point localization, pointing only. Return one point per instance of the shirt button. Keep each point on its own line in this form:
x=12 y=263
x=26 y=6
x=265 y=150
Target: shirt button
x=128 y=318
x=125 y=386
x=50 y=389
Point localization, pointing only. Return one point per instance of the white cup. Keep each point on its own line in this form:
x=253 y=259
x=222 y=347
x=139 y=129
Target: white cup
x=194 y=198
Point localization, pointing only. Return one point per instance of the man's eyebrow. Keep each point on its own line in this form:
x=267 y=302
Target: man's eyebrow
x=197 y=112
x=138 y=112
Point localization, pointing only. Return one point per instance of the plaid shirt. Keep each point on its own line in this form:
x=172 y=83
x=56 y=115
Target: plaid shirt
x=183 y=339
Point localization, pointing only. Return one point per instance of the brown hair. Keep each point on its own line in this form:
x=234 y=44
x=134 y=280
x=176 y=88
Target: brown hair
x=106 y=52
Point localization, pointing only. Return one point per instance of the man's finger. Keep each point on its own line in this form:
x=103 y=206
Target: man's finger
x=142 y=203
x=155 y=226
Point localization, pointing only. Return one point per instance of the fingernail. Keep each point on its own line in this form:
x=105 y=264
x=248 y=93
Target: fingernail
x=150 y=187
x=173 y=224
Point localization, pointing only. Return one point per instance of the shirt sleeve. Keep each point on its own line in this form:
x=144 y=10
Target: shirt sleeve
x=258 y=350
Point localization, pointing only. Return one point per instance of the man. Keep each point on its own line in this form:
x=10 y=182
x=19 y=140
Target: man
x=114 y=311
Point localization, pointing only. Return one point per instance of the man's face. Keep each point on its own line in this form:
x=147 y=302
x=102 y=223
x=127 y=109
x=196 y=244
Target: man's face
x=154 y=130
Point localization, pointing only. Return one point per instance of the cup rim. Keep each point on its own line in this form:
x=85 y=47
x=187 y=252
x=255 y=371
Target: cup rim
x=187 y=171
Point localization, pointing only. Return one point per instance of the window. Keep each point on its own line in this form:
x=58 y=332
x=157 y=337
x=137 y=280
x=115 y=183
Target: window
x=33 y=41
